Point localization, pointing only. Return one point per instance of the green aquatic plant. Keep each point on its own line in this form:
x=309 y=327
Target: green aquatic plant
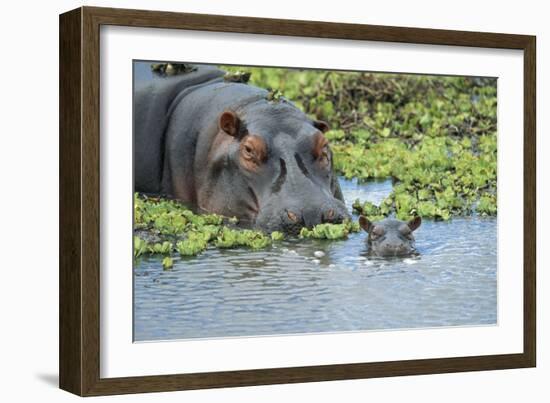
x=277 y=236
x=161 y=248
x=191 y=246
x=487 y=205
x=372 y=211
x=437 y=178
x=140 y=246
x=330 y=231
x=175 y=227
x=203 y=231
x=231 y=238
x=167 y=262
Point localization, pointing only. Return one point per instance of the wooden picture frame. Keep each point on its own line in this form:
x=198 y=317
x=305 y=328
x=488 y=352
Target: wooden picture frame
x=79 y=280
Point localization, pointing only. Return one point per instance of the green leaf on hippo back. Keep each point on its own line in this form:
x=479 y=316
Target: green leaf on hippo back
x=274 y=95
x=167 y=262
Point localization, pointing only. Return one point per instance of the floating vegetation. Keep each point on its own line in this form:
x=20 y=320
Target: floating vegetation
x=230 y=238
x=277 y=236
x=167 y=262
x=437 y=178
x=188 y=234
x=330 y=231
x=179 y=229
x=176 y=229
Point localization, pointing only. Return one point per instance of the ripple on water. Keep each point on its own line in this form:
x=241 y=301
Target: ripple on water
x=295 y=289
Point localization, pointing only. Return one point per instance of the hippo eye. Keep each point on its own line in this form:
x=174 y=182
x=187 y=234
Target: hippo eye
x=324 y=157
x=249 y=154
x=377 y=231
x=252 y=152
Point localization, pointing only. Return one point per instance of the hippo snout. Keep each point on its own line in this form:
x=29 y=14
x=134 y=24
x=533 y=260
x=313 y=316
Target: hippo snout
x=292 y=219
x=388 y=249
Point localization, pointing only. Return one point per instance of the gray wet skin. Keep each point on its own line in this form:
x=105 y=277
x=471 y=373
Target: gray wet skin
x=390 y=237
x=226 y=148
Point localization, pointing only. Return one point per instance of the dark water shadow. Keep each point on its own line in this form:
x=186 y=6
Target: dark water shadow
x=50 y=379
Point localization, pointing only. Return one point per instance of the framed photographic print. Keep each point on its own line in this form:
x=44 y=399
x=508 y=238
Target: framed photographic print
x=249 y=201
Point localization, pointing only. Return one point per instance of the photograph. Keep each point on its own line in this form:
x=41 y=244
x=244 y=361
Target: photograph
x=275 y=201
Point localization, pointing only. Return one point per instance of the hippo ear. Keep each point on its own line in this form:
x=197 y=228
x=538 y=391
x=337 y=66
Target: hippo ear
x=323 y=126
x=319 y=145
x=230 y=123
x=365 y=223
x=414 y=223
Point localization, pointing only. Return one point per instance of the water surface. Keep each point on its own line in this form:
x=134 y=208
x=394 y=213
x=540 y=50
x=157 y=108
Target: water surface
x=286 y=289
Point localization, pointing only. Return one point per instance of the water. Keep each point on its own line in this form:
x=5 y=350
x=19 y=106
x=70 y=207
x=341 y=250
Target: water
x=288 y=289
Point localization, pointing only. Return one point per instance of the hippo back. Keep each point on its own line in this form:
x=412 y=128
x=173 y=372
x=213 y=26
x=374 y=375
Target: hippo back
x=152 y=112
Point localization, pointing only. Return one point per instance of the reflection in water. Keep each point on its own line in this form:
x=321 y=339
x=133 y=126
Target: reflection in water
x=292 y=289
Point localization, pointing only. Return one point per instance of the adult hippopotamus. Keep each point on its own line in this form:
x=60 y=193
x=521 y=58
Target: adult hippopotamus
x=232 y=149
x=390 y=237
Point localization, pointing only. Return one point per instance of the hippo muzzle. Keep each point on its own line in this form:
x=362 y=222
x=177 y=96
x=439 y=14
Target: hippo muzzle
x=292 y=218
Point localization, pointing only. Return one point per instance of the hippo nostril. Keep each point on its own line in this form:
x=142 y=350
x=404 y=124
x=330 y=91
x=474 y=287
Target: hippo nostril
x=293 y=217
x=329 y=216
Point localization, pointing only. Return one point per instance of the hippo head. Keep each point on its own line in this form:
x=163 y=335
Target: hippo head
x=271 y=167
x=390 y=237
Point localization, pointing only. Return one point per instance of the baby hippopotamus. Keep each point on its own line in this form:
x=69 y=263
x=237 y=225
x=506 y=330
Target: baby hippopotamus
x=390 y=237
